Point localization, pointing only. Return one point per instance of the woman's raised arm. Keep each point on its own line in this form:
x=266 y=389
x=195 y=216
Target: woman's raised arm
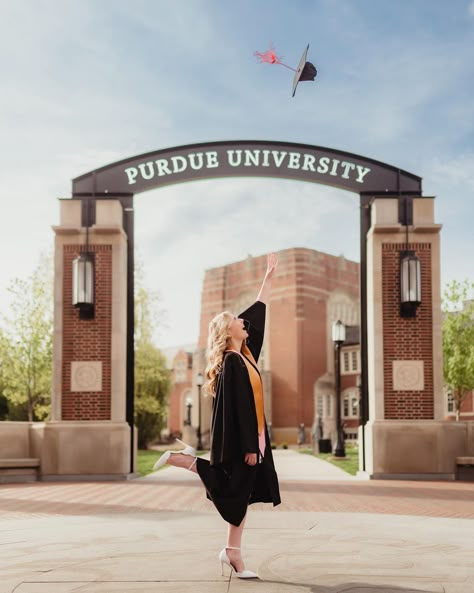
x=264 y=293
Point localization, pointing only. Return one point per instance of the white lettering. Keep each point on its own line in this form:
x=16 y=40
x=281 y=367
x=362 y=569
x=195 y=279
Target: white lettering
x=294 y=160
x=252 y=157
x=278 y=157
x=179 y=164
x=163 y=168
x=266 y=154
x=212 y=161
x=231 y=160
x=362 y=172
x=132 y=173
x=308 y=162
x=347 y=167
x=192 y=161
x=151 y=171
x=323 y=166
x=333 y=171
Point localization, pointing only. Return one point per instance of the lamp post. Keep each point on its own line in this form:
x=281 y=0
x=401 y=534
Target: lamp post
x=189 y=404
x=199 y=383
x=338 y=337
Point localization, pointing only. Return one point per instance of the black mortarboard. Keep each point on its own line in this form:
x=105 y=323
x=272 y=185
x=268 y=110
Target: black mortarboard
x=305 y=71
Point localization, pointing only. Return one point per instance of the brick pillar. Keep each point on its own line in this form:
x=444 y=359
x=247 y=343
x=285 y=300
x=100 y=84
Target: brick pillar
x=406 y=435
x=88 y=433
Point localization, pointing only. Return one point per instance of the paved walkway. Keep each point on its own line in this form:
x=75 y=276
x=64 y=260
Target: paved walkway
x=160 y=534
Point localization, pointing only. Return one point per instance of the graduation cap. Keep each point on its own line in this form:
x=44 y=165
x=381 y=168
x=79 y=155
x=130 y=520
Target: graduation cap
x=305 y=71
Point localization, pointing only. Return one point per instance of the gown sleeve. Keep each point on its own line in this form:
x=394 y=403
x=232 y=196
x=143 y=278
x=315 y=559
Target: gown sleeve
x=254 y=317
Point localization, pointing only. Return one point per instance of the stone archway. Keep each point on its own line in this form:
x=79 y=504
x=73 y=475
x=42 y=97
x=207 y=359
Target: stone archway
x=99 y=415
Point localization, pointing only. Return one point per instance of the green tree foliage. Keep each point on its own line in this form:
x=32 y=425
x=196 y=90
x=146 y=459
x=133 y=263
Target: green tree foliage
x=152 y=378
x=458 y=340
x=26 y=346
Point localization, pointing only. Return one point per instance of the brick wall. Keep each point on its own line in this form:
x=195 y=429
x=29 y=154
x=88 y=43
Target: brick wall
x=297 y=312
x=87 y=339
x=407 y=338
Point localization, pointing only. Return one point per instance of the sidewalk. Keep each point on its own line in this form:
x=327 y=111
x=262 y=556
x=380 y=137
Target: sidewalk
x=289 y=464
x=123 y=537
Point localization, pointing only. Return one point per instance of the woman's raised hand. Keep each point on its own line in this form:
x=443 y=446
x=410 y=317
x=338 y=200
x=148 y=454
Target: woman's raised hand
x=272 y=262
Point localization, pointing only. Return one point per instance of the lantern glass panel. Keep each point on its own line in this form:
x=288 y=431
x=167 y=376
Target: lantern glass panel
x=83 y=281
x=410 y=280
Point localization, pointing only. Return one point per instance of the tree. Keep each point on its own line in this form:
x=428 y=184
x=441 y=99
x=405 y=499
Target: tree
x=26 y=345
x=152 y=378
x=458 y=341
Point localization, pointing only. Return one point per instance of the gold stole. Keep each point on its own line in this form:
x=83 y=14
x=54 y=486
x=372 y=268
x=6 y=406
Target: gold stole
x=257 y=387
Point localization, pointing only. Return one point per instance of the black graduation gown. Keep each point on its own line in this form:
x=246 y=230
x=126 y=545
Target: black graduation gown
x=231 y=483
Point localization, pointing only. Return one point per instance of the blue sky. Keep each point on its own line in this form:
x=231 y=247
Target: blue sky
x=85 y=83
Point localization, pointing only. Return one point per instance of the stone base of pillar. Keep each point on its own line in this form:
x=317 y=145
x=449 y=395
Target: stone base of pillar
x=85 y=450
x=415 y=450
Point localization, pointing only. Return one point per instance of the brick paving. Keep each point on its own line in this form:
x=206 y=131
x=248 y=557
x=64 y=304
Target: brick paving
x=432 y=499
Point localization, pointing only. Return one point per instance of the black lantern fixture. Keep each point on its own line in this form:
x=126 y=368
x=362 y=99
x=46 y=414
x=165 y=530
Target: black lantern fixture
x=83 y=285
x=338 y=337
x=83 y=279
x=199 y=383
x=410 y=277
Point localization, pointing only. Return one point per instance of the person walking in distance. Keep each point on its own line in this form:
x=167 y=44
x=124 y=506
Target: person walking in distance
x=240 y=471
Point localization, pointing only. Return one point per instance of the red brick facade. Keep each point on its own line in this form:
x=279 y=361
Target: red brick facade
x=297 y=341
x=87 y=339
x=407 y=338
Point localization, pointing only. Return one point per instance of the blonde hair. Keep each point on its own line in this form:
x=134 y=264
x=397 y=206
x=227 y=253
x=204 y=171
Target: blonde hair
x=217 y=342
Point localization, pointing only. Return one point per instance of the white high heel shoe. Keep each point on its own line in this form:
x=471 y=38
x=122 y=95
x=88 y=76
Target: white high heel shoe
x=245 y=574
x=188 y=450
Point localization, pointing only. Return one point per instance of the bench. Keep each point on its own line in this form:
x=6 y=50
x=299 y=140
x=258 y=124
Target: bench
x=19 y=470
x=465 y=468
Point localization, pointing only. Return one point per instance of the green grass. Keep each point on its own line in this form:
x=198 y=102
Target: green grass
x=349 y=464
x=147 y=459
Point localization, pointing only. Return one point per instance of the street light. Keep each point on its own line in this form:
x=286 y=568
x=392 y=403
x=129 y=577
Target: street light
x=338 y=337
x=189 y=405
x=199 y=383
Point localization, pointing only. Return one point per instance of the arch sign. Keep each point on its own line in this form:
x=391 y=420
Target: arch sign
x=243 y=158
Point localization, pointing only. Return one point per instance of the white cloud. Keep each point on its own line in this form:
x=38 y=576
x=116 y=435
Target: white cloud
x=471 y=8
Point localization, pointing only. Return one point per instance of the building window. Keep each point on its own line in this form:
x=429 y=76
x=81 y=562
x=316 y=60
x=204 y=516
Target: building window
x=320 y=406
x=350 y=405
x=350 y=362
x=451 y=404
x=355 y=366
x=355 y=405
x=346 y=362
x=346 y=406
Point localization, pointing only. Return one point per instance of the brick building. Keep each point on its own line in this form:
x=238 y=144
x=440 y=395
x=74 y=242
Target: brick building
x=310 y=291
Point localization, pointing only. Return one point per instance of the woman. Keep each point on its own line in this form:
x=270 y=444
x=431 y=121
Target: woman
x=241 y=470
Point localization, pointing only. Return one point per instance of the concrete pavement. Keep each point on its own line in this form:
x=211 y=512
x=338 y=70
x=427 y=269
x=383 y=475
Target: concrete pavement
x=110 y=538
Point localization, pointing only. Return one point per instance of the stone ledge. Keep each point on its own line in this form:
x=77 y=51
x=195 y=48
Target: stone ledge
x=19 y=463
x=464 y=460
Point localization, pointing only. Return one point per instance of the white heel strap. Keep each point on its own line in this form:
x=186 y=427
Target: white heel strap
x=231 y=548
